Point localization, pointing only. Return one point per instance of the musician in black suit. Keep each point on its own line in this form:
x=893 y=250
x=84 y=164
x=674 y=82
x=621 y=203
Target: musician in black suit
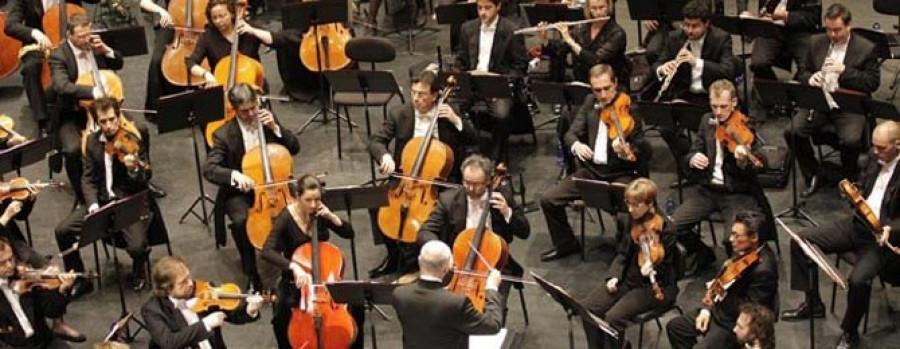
x=837 y=59
x=433 y=317
x=628 y=290
x=172 y=322
x=726 y=180
x=487 y=46
x=801 y=19
x=879 y=185
x=108 y=177
x=23 y=316
x=223 y=167
x=405 y=123
x=14 y=210
x=758 y=283
x=601 y=157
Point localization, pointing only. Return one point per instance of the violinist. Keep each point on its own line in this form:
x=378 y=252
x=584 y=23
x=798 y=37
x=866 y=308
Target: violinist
x=107 y=177
x=14 y=210
x=726 y=176
x=629 y=290
x=602 y=157
x=751 y=276
x=169 y=316
x=290 y=230
x=433 y=317
x=406 y=123
x=23 y=317
x=223 y=167
x=878 y=185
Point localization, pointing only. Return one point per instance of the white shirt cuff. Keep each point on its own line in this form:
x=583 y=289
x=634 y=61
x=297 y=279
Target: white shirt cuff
x=253 y=314
x=111 y=54
x=206 y=324
x=458 y=123
x=93 y=207
x=277 y=131
x=508 y=217
x=233 y=176
x=659 y=74
x=704 y=312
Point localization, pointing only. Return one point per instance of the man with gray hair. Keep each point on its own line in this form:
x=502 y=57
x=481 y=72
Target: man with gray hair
x=432 y=316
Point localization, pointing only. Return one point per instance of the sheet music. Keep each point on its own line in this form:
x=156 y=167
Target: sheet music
x=488 y=341
x=817 y=256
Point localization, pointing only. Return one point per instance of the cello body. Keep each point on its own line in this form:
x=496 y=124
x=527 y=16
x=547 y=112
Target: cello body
x=54 y=23
x=189 y=18
x=495 y=251
x=333 y=57
x=229 y=71
x=273 y=164
x=9 y=56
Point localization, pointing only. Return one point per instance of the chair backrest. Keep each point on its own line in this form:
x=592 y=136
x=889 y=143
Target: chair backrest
x=370 y=49
x=887 y=7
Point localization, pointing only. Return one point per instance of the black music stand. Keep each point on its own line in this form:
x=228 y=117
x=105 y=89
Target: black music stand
x=301 y=16
x=106 y=222
x=351 y=198
x=369 y=294
x=662 y=10
x=570 y=95
x=21 y=155
x=748 y=28
x=128 y=41
x=672 y=116
x=814 y=256
x=454 y=15
x=551 y=13
x=362 y=82
x=573 y=308
x=192 y=109
x=603 y=195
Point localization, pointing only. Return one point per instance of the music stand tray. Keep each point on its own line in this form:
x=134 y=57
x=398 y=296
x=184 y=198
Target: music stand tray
x=574 y=308
x=671 y=115
x=21 y=155
x=567 y=94
x=364 y=293
x=302 y=15
x=129 y=41
x=456 y=13
x=177 y=110
x=667 y=10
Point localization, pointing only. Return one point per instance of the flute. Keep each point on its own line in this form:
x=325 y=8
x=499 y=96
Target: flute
x=556 y=25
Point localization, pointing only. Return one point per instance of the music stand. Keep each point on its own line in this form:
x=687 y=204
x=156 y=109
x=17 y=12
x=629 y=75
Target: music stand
x=672 y=116
x=351 y=198
x=752 y=28
x=117 y=326
x=454 y=15
x=573 y=308
x=301 y=16
x=107 y=221
x=661 y=10
x=567 y=94
x=192 y=109
x=369 y=294
x=128 y=41
x=363 y=82
x=814 y=256
x=21 y=155
x=601 y=195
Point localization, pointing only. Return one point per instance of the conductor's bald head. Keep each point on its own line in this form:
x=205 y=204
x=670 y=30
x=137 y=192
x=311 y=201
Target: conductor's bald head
x=886 y=141
x=435 y=259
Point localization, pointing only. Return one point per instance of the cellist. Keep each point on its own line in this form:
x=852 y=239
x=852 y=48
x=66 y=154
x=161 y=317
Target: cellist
x=223 y=167
x=290 y=230
x=629 y=289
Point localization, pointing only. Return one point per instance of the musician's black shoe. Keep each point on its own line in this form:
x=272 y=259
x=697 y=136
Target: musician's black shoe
x=804 y=311
x=679 y=183
x=67 y=333
x=82 y=287
x=388 y=266
x=556 y=253
x=156 y=190
x=811 y=186
x=137 y=283
x=848 y=341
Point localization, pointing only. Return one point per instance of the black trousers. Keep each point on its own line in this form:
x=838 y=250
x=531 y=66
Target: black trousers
x=68 y=232
x=236 y=207
x=617 y=309
x=702 y=201
x=289 y=297
x=499 y=112
x=842 y=236
x=32 y=66
x=655 y=41
x=683 y=333
x=849 y=128
x=767 y=50
x=679 y=140
x=157 y=85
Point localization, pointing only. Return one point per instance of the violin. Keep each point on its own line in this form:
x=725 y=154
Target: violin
x=851 y=193
x=9 y=58
x=17 y=188
x=270 y=166
x=329 y=40
x=226 y=297
x=411 y=201
x=734 y=132
x=479 y=250
x=125 y=143
x=620 y=123
x=189 y=19
x=733 y=269
x=646 y=235
x=27 y=279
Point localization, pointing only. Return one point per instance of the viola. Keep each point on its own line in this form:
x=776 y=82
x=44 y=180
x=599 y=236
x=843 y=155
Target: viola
x=318 y=321
x=226 y=297
x=125 y=143
x=189 y=19
x=620 y=123
x=734 y=132
x=479 y=250
x=17 y=188
x=331 y=40
x=864 y=211
x=27 y=279
x=424 y=159
x=645 y=234
x=9 y=58
x=270 y=166
x=732 y=270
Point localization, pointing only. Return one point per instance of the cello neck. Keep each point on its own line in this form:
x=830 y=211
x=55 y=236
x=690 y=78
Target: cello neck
x=261 y=135
x=232 y=66
x=189 y=14
x=315 y=273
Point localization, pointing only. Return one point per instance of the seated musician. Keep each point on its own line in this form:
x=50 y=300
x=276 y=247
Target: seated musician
x=726 y=179
x=433 y=317
x=801 y=19
x=24 y=316
x=487 y=46
x=601 y=157
x=223 y=167
x=755 y=327
x=14 y=210
x=406 y=123
x=628 y=290
x=878 y=186
x=292 y=229
x=170 y=318
x=108 y=177
x=836 y=59
x=751 y=276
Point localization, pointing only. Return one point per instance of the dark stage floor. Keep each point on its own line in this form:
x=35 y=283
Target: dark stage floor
x=174 y=169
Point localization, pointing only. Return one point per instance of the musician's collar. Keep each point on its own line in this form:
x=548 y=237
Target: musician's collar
x=889 y=163
x=75 y=50
x=492 y=25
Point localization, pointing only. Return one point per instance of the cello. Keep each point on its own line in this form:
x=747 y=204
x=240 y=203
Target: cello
x=270 y=166
x=329 y=41
x=318 y=322
x=189 y=19
x=412 y=200
x=55 y=24
x=492 y=252
x=9 y=59
x=233 y=69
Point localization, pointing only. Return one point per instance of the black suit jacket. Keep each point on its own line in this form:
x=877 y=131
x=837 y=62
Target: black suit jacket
x=64 y=73
x=626 y=259
x=400 y=126
x=26 y=15
x=738 y=179
x=607 y=47
x=169 y=330
x=508 y=54
x=449 y=218
x=803 y=15
x=433 y=317
x=861 y=72
x=759 y=284
x=38 y=305
x=890 y=204
x=718 y=61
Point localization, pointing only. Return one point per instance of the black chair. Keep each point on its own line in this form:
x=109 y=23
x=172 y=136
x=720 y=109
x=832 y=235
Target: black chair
x=655 y=314
x=118 y=242
x=370 y=50
x=578 y=205
x=851 y=258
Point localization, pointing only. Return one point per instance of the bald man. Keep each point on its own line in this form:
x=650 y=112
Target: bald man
x=432 y=316
x=878 y=184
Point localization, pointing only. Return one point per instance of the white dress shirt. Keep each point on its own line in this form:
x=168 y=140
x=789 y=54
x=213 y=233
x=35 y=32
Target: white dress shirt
x=16 y=306
x=696 y=48
x=474 y=210
x=422 y=121
x=184 y=307
x=486 y=44
x=108 y=165
x=876 y=197
x=601 y=154
x=718 y=177
x=251 y=140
